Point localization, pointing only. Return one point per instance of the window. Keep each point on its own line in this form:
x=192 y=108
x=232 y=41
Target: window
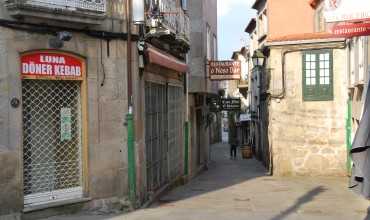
x=320 y=20
x=215 y=54
x=318 y=75
x=184 y=5
x=209 y=48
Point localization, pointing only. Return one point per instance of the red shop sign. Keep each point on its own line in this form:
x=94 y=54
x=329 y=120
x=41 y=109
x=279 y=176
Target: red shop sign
x=52 y=65
x=352 y=30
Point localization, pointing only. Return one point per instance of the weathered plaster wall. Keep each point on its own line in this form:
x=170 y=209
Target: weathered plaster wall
x=282 y=20
x=107 y=107
x=201 y=14
x=307 y=138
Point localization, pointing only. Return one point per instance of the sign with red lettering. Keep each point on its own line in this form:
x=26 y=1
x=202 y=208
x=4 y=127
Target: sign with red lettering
x=352 y=30
x=52 y=65
x=346 y=10
x=225 y=70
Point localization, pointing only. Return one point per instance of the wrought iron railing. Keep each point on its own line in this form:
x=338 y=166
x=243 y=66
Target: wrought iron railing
x=173 y=18
x=98 y=6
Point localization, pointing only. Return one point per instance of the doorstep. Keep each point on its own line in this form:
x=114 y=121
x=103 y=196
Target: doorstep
x=55 y=204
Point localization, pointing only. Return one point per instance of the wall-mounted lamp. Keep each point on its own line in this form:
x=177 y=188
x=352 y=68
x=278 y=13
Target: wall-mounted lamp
x=61 y=37
x=258 y=58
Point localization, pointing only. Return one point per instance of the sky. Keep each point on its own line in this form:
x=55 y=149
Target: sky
x=233 y=17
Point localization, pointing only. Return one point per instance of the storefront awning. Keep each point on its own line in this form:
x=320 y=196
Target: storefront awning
x=161 y=58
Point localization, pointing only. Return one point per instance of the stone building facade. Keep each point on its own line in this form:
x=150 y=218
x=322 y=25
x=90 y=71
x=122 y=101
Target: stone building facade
x=62 y=140
x=306 y=137
x=205 y=126
x=302 y=95
x=68 y=93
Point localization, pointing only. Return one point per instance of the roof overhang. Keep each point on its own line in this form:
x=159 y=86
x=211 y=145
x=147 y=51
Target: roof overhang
x=251 y=26
x=314 y=3
x=257 y=4
x=309 y=41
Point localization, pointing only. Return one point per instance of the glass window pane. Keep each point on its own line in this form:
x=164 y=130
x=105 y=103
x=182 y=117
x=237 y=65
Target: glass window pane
x=322 y=65
x=322 y=57
x=308 y=58
x=313 y=81
x=327 y=73
x=327 y=80
x=327 y=64
x=313 y=73
x=313 y=65
x=313 y=57
x=322 y=80
x=327 y=56
x=322 y=72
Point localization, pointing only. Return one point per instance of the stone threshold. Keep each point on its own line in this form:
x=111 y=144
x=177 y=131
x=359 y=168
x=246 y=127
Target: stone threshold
x=55 y=204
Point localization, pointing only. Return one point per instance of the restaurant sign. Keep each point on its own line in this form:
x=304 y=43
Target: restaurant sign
x=352 y=30
x=230 y=104
x=346 y=10
x=224 y=70
x=51 y=65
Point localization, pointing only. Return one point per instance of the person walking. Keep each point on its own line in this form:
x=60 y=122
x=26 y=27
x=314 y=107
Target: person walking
x=233 y=138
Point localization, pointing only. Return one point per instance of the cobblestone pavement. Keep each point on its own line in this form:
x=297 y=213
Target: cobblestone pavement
x=240 y=189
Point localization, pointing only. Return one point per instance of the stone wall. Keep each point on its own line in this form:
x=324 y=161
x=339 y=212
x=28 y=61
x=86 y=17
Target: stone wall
x=307 y=138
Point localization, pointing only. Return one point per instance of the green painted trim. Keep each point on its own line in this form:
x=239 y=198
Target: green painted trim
x=131 y=158
x=349 y=134
x=317 y=92
x=186 y=146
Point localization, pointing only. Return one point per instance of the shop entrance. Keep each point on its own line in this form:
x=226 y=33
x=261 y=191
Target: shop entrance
x=52 y=94
x=164 y=133
x=52 y=140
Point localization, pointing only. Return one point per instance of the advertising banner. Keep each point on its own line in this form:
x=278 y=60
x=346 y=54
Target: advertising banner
x=346 y=10
x=51 y=65
x=224 y=70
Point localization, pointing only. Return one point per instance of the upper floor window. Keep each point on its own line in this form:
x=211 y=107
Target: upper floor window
x=318 y=75
x=209 y=43
x=184 y=5
x=319 y=19
x=262 y=24
x=215 y=47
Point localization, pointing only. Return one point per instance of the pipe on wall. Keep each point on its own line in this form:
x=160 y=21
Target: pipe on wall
x=282 y=94
x=130 y=120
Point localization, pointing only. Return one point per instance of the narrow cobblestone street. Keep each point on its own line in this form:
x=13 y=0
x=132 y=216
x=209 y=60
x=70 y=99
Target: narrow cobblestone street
x=240 y=190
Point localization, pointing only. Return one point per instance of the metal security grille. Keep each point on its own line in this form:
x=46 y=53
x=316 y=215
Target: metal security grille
x=175 y=130
x=164 y=133
x=52 y=139
x=156 y=135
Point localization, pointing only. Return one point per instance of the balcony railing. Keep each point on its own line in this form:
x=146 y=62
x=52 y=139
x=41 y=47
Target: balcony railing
x=84 y=5
x=80 y=11
x=173 y=19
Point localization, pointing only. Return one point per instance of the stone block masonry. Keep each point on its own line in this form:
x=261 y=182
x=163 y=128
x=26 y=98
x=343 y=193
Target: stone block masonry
x=307 y=138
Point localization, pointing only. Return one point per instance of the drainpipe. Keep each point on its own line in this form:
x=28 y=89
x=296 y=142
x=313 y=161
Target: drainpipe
x=130 y=115
x=187 y=127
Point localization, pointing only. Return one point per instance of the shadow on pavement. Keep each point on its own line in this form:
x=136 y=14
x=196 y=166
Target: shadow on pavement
x=309 y=196
x=222 y=173
x=368 y=214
